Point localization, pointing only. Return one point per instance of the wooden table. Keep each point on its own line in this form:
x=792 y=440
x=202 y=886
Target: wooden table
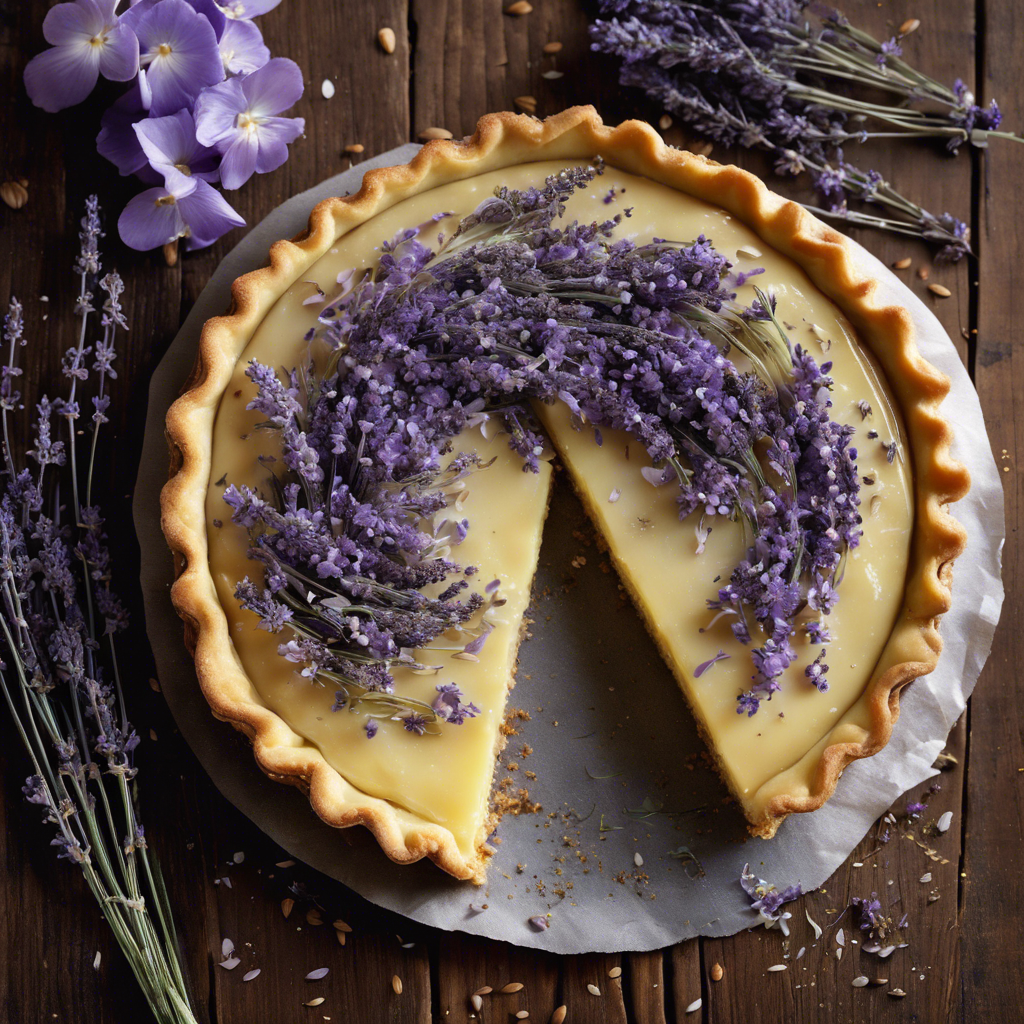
x=455 y=60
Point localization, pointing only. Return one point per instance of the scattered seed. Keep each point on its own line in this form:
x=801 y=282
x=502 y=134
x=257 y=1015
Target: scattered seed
x=943 y=293
x=227 y=947
x=314 y=1002
x=250 y=975
x=841 y=937
x=879 y=981
x=485 y=991
x=230 y=964
x=779 y=967
x=717 y=972
x=320 y=972
x=814 y=924
x=947 y=819
x=910 y=25
x=888 y=951
x=96 y=960
x=435 y=133
x=476 y=1002
x=552 y=76
x=170 y=251
x=396 y=984
x=327 y=88
x=512 y=986
x=694 y=1006
x=313 y=917
x=341 y=926
x=926 y=877
x=153 y=684
x=922 y=273
x=408 y=945
x=519 y=8
x=593 y=990
x=552 y=47
x=615 y=972
x=800 y=952
x=238 y=857
x=559 y=1015
x=903 y=263
x=386 y=38
x=638 y=860
x=522 y=1014
x=664 y=122
x=340 y=936
x=839 y=953
x=285 y=864
x=14 y=194
x=355 y=147
x=748 y=251
x=897 y=993
x=527 y=103
x=860 y=981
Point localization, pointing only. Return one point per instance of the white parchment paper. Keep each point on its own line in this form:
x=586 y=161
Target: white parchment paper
x=601 y=703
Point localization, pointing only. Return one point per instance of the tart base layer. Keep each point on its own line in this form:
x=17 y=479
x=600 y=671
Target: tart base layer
x=574 y=136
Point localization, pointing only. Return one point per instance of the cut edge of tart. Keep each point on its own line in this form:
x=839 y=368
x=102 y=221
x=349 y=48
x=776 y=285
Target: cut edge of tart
x=504 y=140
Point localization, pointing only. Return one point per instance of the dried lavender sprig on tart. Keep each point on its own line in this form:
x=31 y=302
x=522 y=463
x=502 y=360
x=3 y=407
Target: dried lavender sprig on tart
x=58 y=654
x=761 y=75
x=511 y=309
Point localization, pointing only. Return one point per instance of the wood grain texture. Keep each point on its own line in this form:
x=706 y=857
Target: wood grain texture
x=455 y=60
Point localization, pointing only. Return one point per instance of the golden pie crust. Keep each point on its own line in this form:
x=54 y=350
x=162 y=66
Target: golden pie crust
x=502 y=140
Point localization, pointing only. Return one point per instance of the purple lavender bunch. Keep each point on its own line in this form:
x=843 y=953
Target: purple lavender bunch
x=761 y=75
x=511 y=310
x=767 y=900
x=58 y=649
x=203 y=105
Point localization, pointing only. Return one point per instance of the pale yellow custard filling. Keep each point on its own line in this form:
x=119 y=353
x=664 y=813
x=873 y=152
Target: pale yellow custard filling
x=446 y=779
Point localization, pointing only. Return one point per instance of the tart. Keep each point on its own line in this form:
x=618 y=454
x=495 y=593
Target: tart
x=429 y=796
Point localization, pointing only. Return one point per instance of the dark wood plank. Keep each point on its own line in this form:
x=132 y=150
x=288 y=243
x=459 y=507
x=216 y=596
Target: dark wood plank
x=581 y=976
x=645 y=987
x=993 y=891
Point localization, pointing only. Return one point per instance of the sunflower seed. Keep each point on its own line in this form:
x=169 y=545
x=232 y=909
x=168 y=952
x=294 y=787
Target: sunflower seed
x=435 y=133
x=355 y=147
x=897 y=993
x=386 y=38
x=552 y=76
x=340 y=936
x=879 y=981
x=860 y=981
x=910 y=25
x=947 y=819
x=512 y=986
x=285 y=864
x=903 y=263
x=522 y=1014
x=320 y=972
x=593 y=990
x=314 y=1002
x=485 y=991
x=922 y=273
x=638 y=860
x=943 y=293
x=286 y=906
x=14 y=194
x=476 y=1002
x=694 y=1006
x=717 y=972
x=340 y=925
x=519 y=8
x=527 y=103
x=396 y=984
x=552 y=47
x=841 y=937
x=615 y=972
x=664 y=122
x=800 y=952
x=559 y=1015
x=779 y=967
x=96 y=960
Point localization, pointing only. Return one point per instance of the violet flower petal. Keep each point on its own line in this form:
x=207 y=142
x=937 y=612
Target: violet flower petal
x=179 y=51
x=62 y=76
x=239 y=160
x=117 y=140
x=274 y=135
x=248 y=8
x=274 y=88
x=208 y=215
x=241 y=47
x=705 y=665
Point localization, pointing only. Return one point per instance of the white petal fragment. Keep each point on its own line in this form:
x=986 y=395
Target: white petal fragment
x=779 y=967
x=695 y=1006
x=320 y=972
x=859 y=982
x=814 y=924
x=944 y=822
x=327 y=89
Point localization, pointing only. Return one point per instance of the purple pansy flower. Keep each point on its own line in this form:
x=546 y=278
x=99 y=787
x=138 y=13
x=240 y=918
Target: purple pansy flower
x=178 y=51
x=170 y=146
x=241 y=47
x=87 y=40
x=765 y=898
x=238 y=116
x=187 y=208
